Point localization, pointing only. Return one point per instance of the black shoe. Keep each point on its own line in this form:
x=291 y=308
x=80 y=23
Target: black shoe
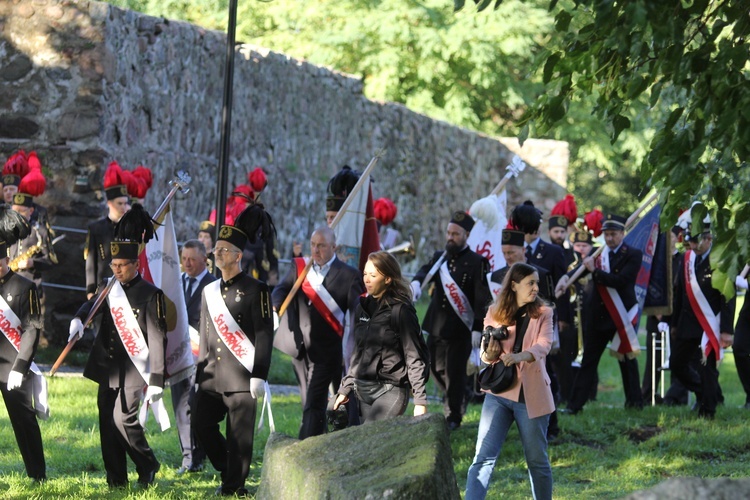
x=226 y=492
x=746 y=406
x=146 y=480
x=452 y=426
x=570 y=411
x=707 y=415
x=195 y=468
x=116 y=485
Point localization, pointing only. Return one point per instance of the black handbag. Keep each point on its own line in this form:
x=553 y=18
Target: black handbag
x=497 y=378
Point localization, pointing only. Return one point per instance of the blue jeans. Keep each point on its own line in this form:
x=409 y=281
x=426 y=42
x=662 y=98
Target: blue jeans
x=497 y=415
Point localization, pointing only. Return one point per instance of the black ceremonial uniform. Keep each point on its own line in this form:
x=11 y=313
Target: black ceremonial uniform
x=21 y=296
x=686 y=334
x=261 y=261
x=120 y=383
x=97 y=252
x=449 y=338
x=37 y=246
x=624 y=267
x=224 y=383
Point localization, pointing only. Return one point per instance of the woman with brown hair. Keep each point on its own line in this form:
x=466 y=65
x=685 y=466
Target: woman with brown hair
x=517 y=311
x=389 y=359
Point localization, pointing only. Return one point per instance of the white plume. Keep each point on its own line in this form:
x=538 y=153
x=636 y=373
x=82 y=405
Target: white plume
x=485 y=209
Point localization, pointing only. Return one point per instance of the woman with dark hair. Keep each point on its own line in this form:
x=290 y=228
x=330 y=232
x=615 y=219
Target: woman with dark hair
x=388 y=362
x=528 y=401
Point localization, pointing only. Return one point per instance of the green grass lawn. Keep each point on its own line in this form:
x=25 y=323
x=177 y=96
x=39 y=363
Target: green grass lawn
x=605 y=452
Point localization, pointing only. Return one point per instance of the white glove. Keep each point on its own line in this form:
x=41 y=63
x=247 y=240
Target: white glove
x=76 y=328
x=14 y=380
x=257 y=387
x=416 y=290
x=562 y=285
x=154 y=393
x=476 y=339
x=741 y=282
x=663 y=326
x=275 y=321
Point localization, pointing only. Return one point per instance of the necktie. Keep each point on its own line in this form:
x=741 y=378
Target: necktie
x=529 y=253
x=189 y=289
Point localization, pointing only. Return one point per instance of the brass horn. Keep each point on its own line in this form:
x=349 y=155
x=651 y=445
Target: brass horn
x=406 y=247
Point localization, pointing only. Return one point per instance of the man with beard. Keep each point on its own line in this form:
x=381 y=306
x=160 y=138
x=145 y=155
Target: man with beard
x=455 y=316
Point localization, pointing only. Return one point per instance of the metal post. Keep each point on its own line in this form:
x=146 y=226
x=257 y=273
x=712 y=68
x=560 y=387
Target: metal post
x=226 y=116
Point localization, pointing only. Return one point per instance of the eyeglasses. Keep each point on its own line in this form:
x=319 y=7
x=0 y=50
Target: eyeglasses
x=117 y=267
x=224 y=250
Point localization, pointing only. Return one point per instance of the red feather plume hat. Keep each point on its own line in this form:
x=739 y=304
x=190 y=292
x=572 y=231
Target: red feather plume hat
x=564 y=213
x=115 y=185
x=32 y=183
x=385 y=210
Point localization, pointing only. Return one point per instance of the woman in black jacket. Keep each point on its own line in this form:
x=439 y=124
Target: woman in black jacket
x=389 y=360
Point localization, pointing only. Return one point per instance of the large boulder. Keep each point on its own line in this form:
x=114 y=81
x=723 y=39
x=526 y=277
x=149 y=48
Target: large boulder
x=404 y=457
x=690 y=488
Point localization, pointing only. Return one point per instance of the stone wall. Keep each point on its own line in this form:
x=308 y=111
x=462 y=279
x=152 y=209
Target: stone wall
x=83 y=83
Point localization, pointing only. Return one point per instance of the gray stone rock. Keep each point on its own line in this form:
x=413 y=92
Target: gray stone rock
x=17 y=127
x=695 y=488
x=17 y=68
x=403 y=457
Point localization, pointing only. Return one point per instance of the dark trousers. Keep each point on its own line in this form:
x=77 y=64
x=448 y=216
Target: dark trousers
x=25 y=426
x=183 y=394
x=314 y=379
x=741 y=349
x=564 y=359
x=231 y=455
x=448 y=366
x=121 y=434
x=702 y=379
x=391 y=404
x=594 y=346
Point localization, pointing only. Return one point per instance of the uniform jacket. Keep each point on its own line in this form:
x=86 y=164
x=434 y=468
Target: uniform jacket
x=248 y=301
x=194 y=304
x=97 y=253
x=552 y=258
x=623 y=271
x=531 y=375
x=385 y=355
x=21 y=295
x=469 y=270
x=39 y=248
x=109 y=363
x=304 y=327
x=684 y=322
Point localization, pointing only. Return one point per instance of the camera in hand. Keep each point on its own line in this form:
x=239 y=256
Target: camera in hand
x=337 y=419
x=498 y=333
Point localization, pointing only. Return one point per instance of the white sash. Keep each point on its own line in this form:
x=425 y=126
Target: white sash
x=456 y=297
x=10 y=325
x=625 y=343
x=710 y=322
x=227 y=328
x=128 y=329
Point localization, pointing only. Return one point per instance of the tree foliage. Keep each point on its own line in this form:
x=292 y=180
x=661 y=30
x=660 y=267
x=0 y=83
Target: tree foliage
x=689 y=61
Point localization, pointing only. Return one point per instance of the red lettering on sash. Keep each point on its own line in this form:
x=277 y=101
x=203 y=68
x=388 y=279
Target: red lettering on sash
x=127 y=335
x=233 y=340
x=14 y=336
x=452 y=289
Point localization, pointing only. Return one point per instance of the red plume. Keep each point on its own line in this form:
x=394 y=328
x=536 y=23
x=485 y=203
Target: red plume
x=17 y=164
x=510 y=225
x=212 y=217
x=385 y=210
x=131 y=182
x=33 y=161
x=567 y=208
x=257 y=179
x=593 y=221
x=33 y=183
x=113 y=175
x=145 y=174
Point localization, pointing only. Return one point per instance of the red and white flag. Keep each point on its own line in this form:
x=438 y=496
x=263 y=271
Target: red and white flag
x=357 y=231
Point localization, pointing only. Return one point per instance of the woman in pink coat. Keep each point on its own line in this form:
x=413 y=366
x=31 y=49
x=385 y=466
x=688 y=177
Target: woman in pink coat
x=528 y=401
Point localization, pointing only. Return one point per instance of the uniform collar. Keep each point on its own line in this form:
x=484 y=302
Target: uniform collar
x=234 y=279
x=132 y=282
x=7 y=276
